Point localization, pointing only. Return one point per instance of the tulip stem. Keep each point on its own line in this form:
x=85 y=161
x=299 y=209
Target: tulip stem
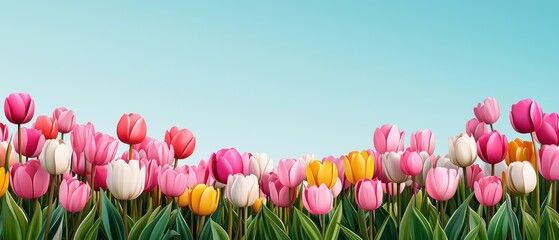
x=176 y=163
x=523 y=220
x=62 y=136
x=537 y=179
x=372 y=224
x=49 y=211
x=323 y=221
x=239 y=224
x=19 y=143
x=124 y=217
x=554 y=196
x=230 y=221
x=200 y=226
x=245 y=216
x=92 y=178
x=491 y=125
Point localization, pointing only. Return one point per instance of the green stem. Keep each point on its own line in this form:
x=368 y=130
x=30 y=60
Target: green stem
x=371 y=223
x=134 y=209
x=200 y=226
x=554 y=196
x=62 y=136
x=323 y=223
x=537 y=192
x=492 y=169
x=19 y=143
x=124 y=217
x=245 y=216
x=491 y=125
x=399 y=199
x=49 y=211
x=230 y=222
x=130 y=152
x=362 y=216
x=176 y=163
x=524 y=201
x=239 y=224
x=92 y=178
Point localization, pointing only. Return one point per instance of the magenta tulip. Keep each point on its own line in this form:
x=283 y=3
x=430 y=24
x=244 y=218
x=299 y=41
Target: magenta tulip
x=388 y=138
x=227 y=162
x=80 y=136
x=100 y=177
x=317 y=200
x=101 y=149
x=182 y=141
x=65 y=119
x=32 y=142
x=441 y=183
x=161 y=152
x=131 y=129
x=411 y=163
x=152 y=174
x=280 y=194
x=291 y=172
x=476 y=128
x=172 y=182
x=29 y=180
x=368 y=194
x=423 y=140
x=548 y=133
x=19 y=108
x=488 y=112
x=73 y=195
x=526 y=116
x=473 y=173
x=488 y=190
x=549 y=162
x=492 y=147
x=265 y=182
x=4 y=135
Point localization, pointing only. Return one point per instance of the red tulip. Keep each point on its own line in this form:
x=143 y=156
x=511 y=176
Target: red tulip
x=131 y=129
x=526 y=116
x=47 y=125
x=19 y=108
x=182 y=140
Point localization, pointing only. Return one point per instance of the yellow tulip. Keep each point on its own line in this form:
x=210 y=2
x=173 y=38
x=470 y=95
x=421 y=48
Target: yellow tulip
x=4 y=181
x=358 y=166
x=319 y=173
x=184 y=199
x=257 y=206
x=204 y=200
x=521 y=151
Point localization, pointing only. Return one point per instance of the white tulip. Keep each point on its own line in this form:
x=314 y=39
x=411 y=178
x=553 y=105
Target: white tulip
x=521 y=178
x=56 y=157
x=125 y=180
x=446 y=163
x=499 y=169
x=306 y=159
x=391 y=166
x=242 y=191
x=462 y=150
x=427 y=165
x=260 y=163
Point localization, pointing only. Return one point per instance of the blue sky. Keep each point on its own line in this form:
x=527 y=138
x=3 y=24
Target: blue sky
x=285 y=78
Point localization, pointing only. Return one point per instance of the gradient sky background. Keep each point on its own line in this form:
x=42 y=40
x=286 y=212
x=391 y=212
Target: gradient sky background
x=283 y=78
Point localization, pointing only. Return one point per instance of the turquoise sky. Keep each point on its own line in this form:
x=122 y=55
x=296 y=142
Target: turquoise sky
x=285 y=78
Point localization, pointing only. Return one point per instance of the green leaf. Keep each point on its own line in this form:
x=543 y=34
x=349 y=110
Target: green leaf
x=438 y=233
x=475 y=221
x=380 y=231
x=420 y=228
x=333 y=229
x=273 y=224
x=13 y=225
x=93 y=231
x=57 y=218
x=217 y=231
x=350 y=234
x=456 y=227
x=36 y=223
x=140 y=224
x=532 y=230
x=86 y=224
x=181 y=227
x=170 y=234
x=111 y=219
x=405 y=223
x=473 y=234
x=308 y=225
x=156 y=228
x=498 y=227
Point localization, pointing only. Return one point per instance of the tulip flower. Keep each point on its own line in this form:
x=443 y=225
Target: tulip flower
x=65 y=119
x=4 y=135
x=184 y=199
x=519 y=151
x=441 y=183
x=227 y=162
x=388 y=138
x=322 y=173
x=488 y=112
x=291 y=172
x=548 y=133
x=152 y=174
x=126 y=180
x=317 y=200
x=79 y=164
x=19 y=108
x=526 y=116
x=427 y=165
x=100 y=149
x=203 y=200
x=131 y=129
x=4 y=146
x=182 y=141
x=257 y=206
x=359 y=166
x=161 y=152
x=202 y=173
x=242 y=191
x=32 y=142
x=260 y=163
x=281 y=195
x=29 y=180
x=488 y=191
x=423 y=140
x=48 y=126
x=411 y=163
x=392 y=189
x=475 y=128
x=73 y=195
x=473 y=174
x=306 y=159
x=4 y=181
x=391 y=164
x=462 y=150
x=56 y=157
x=368 y=194
x=135 y=155
x=444 y=162
x=80 y=136
x=171 y=182
x=492 y=147
x=549 y=165
x=379 y=169
x=99 y=181
x=265 y=182
x=521 y=178
x=337 y=188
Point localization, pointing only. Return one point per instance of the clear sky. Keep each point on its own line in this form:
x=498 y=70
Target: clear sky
x=286 y=78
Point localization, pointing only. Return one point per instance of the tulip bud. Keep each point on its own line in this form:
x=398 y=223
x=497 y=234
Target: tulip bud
x=125 y=180
x=423 y=140
x=521 y=178
x=488 y=190
x=260 y=163
x=322 y=173
x=441 y=183
x=358 y=166
x=73 y=195
x=56 y=157
x=488 y=112
x=549 y=167
x=257 y=206
x=411 y=163
x=242 y=191
x=29 y=180
x=65 y=119
x=391 y=164
x=48 y=126
x=368 y=194
x=131 y=129
x=317 y=200
x=388 y=138
x=492 y=147
x=203 y=200
x=184 y=198
x=462 y=150
x=526 y=116
x=4 y=181
x=19 y=108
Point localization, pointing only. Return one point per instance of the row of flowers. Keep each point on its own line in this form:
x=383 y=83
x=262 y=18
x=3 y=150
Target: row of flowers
x=107 y=195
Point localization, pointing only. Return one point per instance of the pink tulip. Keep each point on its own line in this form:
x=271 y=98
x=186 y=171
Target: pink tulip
x=337 y=188
x=368 y=194
x=4 y=135
x=152 y=174
x=379 y=168
x=29 y=180
x=265 y=182
x=476 y=128
x=488 y=112
x=131 y=129
x=79 y=164
x=291 y=172
x=549 y=131
x=182 y=141
x=549 y=162
x=19 y=108
x=388 y=138
x=492 y=147
x=488 y=190
x=473 y=173
x=280 y=194
x=171 y=182
x=317 y=200
x=135 y=155
x=100 y=177
x=3 y=150
x=47 y=125
x=526 y=116
x=32 y=142
x=101 y=149
x=441 y=183
x=411 y=163
x=423 y=140
x=191 y=178
x=161 y=152
x=227 y=162
x=143 y=145
x=391 y=188
x=65 y=119
x=80 y=136
x=202 y=173
x=73 y=195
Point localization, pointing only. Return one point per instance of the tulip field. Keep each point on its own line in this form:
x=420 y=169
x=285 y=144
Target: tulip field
x=61 y=179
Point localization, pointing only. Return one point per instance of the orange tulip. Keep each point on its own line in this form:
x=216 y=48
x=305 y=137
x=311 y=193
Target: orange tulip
x=521 y=151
